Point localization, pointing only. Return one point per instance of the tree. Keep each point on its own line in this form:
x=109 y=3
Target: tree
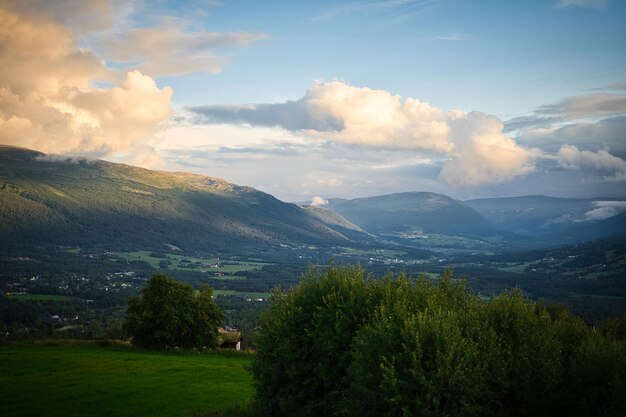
x=304 y=346
x=171 y=314
x=341 y=344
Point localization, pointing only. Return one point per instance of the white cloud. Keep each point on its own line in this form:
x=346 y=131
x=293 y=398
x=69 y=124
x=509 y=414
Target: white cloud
x=570 y=157
x=48 y=101
x=175 y=49
x=318 y=201
x=335 y=111
x=52 y=94
x=483 y=154
x=605 y=210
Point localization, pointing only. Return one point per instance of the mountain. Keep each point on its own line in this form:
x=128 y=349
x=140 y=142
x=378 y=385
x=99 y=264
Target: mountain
x=555 y=219
x=412 y=214
x=338 y=222
x=75 y=202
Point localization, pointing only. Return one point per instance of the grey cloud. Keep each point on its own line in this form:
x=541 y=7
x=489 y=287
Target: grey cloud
x=590 y=105
x=291 y=115
x=571 y=109
x=530 y=122
x=609 y=133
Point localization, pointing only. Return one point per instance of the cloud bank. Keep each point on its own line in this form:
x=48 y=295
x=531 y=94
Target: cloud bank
x=474 y=145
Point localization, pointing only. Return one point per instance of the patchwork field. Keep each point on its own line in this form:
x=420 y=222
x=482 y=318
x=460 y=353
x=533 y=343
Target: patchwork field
x=190 y=263
x=39 y=297
x=88 y=380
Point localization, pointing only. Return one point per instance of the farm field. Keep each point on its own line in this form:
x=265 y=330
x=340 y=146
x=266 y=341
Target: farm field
x=39 y=297
x=242 y=293
x=83 y=379
x=190 y=263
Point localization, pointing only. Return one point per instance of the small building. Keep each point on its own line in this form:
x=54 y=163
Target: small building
x=229 y=339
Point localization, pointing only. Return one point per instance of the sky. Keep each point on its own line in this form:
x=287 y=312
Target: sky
x=326 y=99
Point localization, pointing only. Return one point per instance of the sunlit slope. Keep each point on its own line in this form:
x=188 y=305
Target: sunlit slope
x=78 y=202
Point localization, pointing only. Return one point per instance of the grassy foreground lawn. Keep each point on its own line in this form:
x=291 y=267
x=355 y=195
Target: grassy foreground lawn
x=88 y=380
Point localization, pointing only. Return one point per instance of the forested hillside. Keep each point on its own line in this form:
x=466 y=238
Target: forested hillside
x=77 y=202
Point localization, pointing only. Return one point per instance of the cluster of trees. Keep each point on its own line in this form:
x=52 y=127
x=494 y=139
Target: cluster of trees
x=341 y=344
x=171 y=314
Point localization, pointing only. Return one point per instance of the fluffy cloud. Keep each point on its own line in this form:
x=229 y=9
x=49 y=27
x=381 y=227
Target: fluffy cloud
x=319 y=201
x=483 y=154
x=570 y=157
x=52 y=84
x=48 y=101
x=480 y=153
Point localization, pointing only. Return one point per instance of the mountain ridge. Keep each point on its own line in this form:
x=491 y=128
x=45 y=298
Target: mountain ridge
x=69 y=201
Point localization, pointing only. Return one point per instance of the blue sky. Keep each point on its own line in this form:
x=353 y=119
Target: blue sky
x=501 y=57
x=328 y=98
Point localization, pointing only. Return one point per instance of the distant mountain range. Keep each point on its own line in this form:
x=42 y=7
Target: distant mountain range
x=53 y=200
x=517 y=222
x=412 y=213
x=562 y=220
x=75 y=202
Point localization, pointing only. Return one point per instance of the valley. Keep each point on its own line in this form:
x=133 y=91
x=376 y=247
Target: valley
x=80 y=237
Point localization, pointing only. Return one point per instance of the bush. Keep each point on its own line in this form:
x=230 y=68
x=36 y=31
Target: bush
x=171 y=314
x=343 y=345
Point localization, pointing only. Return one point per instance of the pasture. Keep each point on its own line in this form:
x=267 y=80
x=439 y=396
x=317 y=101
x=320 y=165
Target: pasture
x=83 y=379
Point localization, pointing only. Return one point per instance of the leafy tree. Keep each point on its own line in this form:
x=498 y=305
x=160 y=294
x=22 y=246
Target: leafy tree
x=343 y=345
x=303 y=351
x=171 y=314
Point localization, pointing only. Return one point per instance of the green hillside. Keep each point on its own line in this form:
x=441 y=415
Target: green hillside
x=87 y=380
x=53 y=200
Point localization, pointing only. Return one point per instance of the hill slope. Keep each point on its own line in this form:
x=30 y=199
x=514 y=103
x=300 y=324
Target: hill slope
x=50 y=200
x=412 y=213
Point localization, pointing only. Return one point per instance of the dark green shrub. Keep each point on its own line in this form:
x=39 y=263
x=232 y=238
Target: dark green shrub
x=171 y=314
x=341 y=345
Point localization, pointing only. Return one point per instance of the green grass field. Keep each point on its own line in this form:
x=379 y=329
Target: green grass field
x=39 y=297
x=243 y=293
x=89 y=380
x=177 y=262
x=387 y=253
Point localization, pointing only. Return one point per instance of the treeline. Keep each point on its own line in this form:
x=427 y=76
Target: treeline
x=343 y=345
